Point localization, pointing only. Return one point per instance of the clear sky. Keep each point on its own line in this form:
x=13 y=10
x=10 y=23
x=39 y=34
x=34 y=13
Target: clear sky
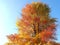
x=11 y=9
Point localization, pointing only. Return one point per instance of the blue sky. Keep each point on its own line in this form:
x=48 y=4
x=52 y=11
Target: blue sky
x=11 y=9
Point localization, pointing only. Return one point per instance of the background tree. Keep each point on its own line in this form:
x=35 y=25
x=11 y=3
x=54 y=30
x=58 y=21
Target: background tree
x=36 y=27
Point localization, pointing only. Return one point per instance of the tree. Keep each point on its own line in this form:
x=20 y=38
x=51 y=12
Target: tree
x=36 y=27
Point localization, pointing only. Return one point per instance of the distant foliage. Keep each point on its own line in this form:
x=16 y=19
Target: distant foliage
x=36 y=27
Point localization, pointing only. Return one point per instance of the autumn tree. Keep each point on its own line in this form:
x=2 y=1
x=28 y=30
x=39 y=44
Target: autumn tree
x=36 y=26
